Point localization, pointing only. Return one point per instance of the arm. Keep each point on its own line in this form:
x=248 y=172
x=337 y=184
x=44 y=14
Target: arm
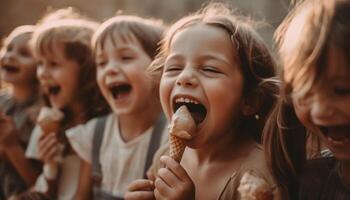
x=49 y=151
x=15 y=153
x=84 y=191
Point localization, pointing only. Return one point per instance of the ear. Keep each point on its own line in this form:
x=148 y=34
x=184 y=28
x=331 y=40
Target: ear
x=251 y=105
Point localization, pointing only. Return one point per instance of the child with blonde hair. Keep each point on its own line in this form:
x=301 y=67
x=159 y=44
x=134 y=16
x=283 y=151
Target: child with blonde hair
x=18 y=110
x=313 y=44
x=216 y=65
x=119 y=148
x=67 y=76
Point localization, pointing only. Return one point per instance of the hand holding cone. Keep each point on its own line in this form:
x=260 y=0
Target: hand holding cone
x=181 y=128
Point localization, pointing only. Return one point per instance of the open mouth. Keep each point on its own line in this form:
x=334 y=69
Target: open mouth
x=54 y=90
x=338 y=133
x=120 y=90
x=197 y=110
x=10 y=68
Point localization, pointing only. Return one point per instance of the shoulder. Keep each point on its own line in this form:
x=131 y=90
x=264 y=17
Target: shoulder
x=254 y=163
x=320 y=178
x=316 y=167
x=5 y=98
x=81 y=137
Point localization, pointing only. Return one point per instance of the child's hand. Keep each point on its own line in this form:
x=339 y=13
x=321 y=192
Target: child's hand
x=8 y=131
x=173 y=182
x=141 y=189
x=49 y=148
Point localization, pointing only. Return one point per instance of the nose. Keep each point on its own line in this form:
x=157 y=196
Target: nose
x=187 y=78
x=113 y=68
x=321 y=107
x=8 y=55
x=43 y=73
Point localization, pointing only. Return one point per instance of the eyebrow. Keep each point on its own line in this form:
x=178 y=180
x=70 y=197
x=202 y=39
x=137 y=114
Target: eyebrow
x=204 y=56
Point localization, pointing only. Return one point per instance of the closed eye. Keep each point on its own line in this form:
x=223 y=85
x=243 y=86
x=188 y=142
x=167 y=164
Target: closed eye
x=342 y=91
x=127 y=58
x=210 y=69
x=173 y=68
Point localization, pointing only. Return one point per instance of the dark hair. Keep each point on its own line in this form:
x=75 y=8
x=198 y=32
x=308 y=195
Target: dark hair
x=256 y=62
x=317 y=25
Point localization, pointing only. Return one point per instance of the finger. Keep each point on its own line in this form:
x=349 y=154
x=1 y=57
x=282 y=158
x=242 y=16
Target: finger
x=175 y=167
x=141 y=184
x=46 y=144
x=139 y=195
x=50 y=154
x=150 y=175
x=157 y=195
x=168 y=177
x=162 y=187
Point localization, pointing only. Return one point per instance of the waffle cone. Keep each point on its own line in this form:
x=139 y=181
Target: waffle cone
x=177 y=148
x=49 y=127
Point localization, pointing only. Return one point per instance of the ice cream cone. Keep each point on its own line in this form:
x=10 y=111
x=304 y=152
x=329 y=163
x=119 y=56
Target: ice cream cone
x=177 y=147
x=181 y=129
x=253 y=187
x=49 y=120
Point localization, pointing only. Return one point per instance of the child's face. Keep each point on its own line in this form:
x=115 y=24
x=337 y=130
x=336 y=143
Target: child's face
x=122 y=77
x=18 y=66
x=202 y=73
x=58 y=77
x=326 y=110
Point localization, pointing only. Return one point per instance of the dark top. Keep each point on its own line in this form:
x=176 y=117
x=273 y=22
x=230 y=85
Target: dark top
x=321 y=180
x=23 y=116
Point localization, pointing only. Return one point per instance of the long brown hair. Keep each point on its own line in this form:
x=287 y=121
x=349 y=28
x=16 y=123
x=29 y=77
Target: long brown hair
x=303 y=40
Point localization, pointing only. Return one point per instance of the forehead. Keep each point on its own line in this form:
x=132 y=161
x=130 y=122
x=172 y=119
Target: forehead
x=21 y=39
x=116 y=40
x=215 y=40
x=338 y=65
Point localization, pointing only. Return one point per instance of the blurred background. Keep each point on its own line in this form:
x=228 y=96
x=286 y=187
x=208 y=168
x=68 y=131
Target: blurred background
x=20 y=12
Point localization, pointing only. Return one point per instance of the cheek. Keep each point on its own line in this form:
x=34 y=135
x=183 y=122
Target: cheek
x=303 y=114
x=164 y=94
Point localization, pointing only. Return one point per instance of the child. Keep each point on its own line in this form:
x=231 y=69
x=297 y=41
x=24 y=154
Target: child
x=67 y=77
x=215 y=64
x=18 y=109
x=314 y=47
x=120 y=147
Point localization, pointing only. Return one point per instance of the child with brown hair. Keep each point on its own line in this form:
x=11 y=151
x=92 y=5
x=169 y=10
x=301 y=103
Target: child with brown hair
x=216 y=65
x=314 y=50
x=67 y=76
x=119 y=148
x=18 y=110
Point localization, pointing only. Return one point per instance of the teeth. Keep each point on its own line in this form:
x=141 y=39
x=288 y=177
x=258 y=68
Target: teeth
x=346 y=140
x=186 y=100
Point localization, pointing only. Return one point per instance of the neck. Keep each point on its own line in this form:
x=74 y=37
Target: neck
x=345 y=171
x=134 y=124
x=77 y=114
x=223 y=149
x=23 y=93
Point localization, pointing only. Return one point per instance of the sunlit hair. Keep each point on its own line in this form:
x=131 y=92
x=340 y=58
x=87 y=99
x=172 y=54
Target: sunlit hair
x=303 y=40
x=18 y=31
x=147 y=32
x=64 y=13
x=73 y=37
x=256 y=63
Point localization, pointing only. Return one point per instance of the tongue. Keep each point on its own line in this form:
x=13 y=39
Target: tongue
x=122 y=94
x=197 y=117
